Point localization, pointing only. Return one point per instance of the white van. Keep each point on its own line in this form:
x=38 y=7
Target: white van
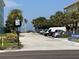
x=51 y=30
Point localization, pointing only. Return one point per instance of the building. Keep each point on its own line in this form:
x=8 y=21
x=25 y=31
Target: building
x=1 y=15
x=72 y=7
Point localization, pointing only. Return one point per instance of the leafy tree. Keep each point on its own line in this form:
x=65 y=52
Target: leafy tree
x=71 y=18
x=75 y=19
x=57 y=18
x=40 y=23
x=13 y=15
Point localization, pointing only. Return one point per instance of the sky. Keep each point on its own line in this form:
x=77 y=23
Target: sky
x=35 y=8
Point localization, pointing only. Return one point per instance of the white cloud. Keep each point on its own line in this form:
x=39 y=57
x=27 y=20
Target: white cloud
x=10 y=4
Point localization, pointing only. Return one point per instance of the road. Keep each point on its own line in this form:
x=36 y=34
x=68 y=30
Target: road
x=35 y=41
x=62 y=54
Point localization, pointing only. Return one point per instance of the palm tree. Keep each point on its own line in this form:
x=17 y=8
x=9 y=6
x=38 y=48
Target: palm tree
x=13 y=15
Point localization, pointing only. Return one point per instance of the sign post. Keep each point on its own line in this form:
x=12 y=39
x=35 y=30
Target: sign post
x=17 y=24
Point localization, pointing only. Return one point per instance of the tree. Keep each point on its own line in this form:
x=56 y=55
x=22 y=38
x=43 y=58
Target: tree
x=66 y=19
x=13 y=15
x=71 y=18
x=57 y=18
x=75 y=19
x=40 y=23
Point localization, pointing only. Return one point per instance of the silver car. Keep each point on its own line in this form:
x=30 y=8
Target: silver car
x=58 y=33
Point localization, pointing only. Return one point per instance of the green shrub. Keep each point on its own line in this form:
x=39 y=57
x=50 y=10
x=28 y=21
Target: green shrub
x=12 y=37
x=10 y=41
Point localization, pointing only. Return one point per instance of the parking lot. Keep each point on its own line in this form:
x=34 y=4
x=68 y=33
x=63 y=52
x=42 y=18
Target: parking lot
x=35 y=41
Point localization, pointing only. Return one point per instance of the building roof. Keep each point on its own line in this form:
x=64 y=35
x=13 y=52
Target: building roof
x=2 y=4
x=77 y=1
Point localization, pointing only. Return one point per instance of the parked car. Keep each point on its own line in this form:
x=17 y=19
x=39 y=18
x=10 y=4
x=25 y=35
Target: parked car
x=52 y=30
x=48 y=32
x=43 y=31
x=58 y=33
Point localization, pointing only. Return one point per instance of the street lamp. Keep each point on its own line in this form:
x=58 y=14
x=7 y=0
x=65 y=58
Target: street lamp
x=17 y=24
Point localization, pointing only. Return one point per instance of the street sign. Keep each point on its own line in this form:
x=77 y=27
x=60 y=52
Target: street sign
x=17 y=23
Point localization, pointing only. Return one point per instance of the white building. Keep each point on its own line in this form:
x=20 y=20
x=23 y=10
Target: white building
x=72 y=7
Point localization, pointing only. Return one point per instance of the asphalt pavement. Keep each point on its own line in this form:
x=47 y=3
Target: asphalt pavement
x=61 y=54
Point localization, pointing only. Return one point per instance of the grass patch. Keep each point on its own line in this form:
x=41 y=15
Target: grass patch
x=9 y=41
x=8 y=45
